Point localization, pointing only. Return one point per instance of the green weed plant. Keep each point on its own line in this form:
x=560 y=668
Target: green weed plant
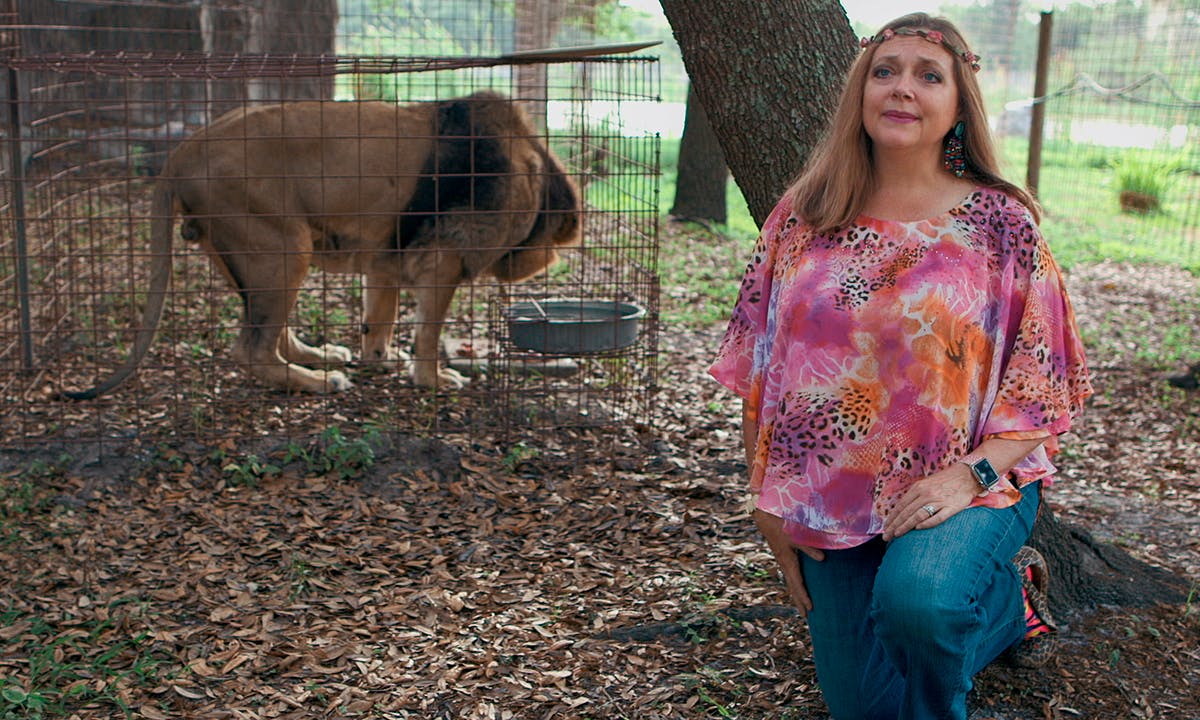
x=1142 y=183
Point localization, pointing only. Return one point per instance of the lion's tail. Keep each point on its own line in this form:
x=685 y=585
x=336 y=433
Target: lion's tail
x=162 y=222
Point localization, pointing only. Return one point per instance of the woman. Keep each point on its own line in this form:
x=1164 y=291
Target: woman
x=907 y=356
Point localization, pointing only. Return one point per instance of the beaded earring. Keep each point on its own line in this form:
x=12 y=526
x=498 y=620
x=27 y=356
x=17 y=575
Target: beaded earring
x=955 y=160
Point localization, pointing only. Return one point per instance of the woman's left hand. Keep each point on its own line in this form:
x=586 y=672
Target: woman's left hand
x=931 y=501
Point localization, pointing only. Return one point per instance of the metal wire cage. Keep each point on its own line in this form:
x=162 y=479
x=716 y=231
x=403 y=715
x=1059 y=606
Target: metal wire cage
x=89 y=132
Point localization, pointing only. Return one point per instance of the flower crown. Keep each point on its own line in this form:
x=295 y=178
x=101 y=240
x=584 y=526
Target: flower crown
x=933 y=36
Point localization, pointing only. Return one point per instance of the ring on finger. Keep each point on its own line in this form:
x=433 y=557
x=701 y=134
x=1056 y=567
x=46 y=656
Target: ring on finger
x=929 y=509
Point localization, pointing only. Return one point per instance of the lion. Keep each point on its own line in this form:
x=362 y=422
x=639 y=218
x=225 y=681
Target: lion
x=426 y=196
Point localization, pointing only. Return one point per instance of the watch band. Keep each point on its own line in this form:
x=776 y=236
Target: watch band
x=984 y=473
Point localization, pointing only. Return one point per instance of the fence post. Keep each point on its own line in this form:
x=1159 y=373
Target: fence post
x=17 y=167
x=1037 y=119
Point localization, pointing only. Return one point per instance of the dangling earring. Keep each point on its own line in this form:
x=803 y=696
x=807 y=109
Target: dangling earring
x=955 y=160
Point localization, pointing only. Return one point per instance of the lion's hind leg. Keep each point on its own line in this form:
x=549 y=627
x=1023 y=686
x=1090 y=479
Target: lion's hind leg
x=258 y=346
x=268 y=281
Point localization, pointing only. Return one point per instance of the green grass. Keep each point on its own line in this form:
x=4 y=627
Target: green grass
x=1083 y=221
x=738 y=224
x=700 y=273
x=701 y=267
x=57 y=669
x=83 y=658
x=1152 y=178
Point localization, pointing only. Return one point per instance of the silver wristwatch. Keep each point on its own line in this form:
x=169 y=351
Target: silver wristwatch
x=984 y=473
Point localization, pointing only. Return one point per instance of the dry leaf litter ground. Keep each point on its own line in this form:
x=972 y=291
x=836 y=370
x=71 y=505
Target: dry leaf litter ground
x=453 y=581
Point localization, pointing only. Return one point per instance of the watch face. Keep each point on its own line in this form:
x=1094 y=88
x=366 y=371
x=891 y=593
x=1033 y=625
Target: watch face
x=985 y=473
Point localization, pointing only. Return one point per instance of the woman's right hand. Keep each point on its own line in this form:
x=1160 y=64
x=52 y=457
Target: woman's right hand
x=784 y=550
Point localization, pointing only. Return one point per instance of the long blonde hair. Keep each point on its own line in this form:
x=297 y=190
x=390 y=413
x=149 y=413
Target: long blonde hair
x=836 y=182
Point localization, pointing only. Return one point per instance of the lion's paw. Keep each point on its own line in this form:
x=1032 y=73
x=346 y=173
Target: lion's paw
x=445 y=377
x=337 y=381
x=451 y=378
x=389 y=359
x=336 y=354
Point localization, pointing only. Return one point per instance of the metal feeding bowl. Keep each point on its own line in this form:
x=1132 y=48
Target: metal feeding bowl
x=573 y=326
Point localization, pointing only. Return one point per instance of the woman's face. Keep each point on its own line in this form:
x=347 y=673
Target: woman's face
x=910 y=100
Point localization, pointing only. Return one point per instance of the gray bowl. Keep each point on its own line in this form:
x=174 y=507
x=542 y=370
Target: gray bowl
x=573 y=326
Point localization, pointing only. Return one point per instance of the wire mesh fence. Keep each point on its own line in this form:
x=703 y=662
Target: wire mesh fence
x=1127 y=104
x=314 y=142
x=1122 y=115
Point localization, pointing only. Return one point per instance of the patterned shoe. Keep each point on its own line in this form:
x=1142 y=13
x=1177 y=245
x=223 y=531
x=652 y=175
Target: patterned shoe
x=1041 y=631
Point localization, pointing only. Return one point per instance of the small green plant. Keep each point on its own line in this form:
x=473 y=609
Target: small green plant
x=753 y=571
x=22 y=500
x=249 y=472
x=335 y=453
x=518 y=455
x=1142 y=184
x=142 y=159
x=1190 y=610
x=43 y=469
x=169 y=457
x=15 y=702
x=18 y=499
x=709 y=684
x=318 y=692
x=299 y=571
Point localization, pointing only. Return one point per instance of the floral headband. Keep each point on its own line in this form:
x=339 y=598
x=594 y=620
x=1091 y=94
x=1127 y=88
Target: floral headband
x=933 y=36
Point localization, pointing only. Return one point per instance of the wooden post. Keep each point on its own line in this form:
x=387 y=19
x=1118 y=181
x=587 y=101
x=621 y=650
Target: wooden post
x=17 y=179
x=1033 y=168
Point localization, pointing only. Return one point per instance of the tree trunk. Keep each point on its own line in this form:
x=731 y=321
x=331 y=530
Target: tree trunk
x=768 y=73
x=1087 y=573
x=703 y=174
x=51 y=26
x=535 y=24
x=270 y=27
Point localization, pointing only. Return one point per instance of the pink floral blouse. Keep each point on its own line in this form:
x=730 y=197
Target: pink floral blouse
x=875 y=356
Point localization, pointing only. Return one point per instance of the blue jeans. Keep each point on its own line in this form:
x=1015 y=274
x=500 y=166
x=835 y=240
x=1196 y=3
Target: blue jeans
x=899 y=629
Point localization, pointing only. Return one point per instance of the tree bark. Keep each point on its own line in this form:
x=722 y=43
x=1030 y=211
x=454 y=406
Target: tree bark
x=1087 y=573
x=270 y=27
x=702 y=172
x=49 y=26
x=535 y=24
x=768 y=73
